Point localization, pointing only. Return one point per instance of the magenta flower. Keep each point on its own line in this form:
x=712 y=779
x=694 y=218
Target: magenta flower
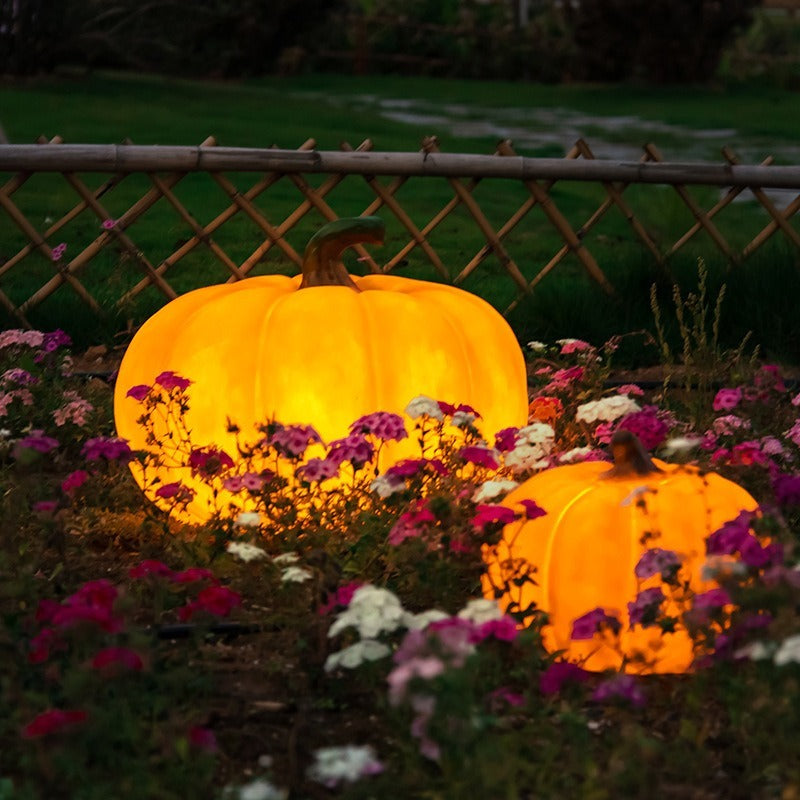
x=620 y=687
x=504 y=696
x=138 y=392
x=53 y=721
x=355 y=448
x=480 y=456
x=41 y=645
x=503 y=629
x=586 y=626
x=37 y=441
x=532 y=509
x=754 y=554
x=648 y=424
x=644 y=609
x=54 y=339
x=203 y=739
x=111 y=659
x=218 y=601
x=108 y=224
x=194 y=575
x=450 y=409
x=506 y=439
x=411 y=523
x=169 y=381
x=787 y=489
x=489 y=514
x=74 y=481
x=769 y=377
x=714 y=598
x=209 y=461
x=174 y=491
x=655 y=561
x=559 y=674
x=150 y=568
x=45 y=506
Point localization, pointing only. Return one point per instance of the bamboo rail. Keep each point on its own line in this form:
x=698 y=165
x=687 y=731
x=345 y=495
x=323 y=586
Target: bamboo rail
x=91 y=230
x=127 y=158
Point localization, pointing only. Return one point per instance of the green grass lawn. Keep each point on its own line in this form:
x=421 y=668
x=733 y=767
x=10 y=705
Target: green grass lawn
x=395 y=113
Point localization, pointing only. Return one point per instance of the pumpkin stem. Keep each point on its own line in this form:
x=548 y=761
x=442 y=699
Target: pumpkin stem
x=630 y=457
x=321 y=263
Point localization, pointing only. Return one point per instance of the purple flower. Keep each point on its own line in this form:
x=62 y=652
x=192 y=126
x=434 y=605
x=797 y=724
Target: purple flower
x=754 y=554
x=382 y=424
x=110 y=448
x=644 y=609
x=292 y=440
x=592 y=622
x=620 y=687
x=787 y=488
x=532 y=509
x=655 y=561
x=560 y=673
x=714 y=598
x=729 y=538
x=317 y=469
x=36 y=441
x=355 y=448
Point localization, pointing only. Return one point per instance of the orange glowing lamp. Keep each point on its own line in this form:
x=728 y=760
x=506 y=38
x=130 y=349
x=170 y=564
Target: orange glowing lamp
x=598 y=523
x=323 y=348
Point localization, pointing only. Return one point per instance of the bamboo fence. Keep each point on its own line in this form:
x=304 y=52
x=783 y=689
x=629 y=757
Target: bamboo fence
x=28 y=236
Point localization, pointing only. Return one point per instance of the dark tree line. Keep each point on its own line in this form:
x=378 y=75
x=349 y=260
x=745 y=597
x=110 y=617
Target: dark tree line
x=654 y=40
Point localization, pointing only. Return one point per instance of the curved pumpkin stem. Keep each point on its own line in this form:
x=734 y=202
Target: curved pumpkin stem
x=630 y=457
x=321 y=263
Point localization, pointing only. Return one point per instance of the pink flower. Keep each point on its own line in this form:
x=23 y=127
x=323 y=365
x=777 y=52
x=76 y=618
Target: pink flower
x=111 y=659
x=355 y=448
x=532 y=509
x=45 y=506
x=111 y=448
x=769 y=377
x=171 y=490
x=108 y=224
x=293 y=440
x=560 y=673
x=53 y=721
x=411 y=523
x=58 y=251
x=504 y=629
x=727 y=399
x=169 y=380
x=504 y=696
x=74 y=481
x=630 y=389
x=37 y=441
x=575 y=346
x=586 y=626
x=506 y=439
x=317 y=469
x=648 y=424
x=40 y=646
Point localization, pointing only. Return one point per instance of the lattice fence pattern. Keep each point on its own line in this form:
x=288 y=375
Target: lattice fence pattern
x=112 y=238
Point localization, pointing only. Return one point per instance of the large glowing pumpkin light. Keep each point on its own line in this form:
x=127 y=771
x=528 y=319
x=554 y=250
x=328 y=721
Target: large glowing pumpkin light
x=599 y=522
x=323 y=348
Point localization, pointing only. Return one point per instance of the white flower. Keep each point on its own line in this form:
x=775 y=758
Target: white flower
x=333 y=765
x=296 y=575
x=716 y=567
x=537 y=347
x=607 y=409
x=525 y=457
x=357 y=654
x=788 y=651
x=387 y=485
x=490 y=489
x=249 y=519
x=461 y=419
x=537 y=433
x=576 y=454
x=286 y=558
x=418 y=622
x=245 y=551
x=480 y=611
x=680 y=444
x=424 y=406
x=372 y=611
x=5 y=433
x=261 y=789
x=756 y=651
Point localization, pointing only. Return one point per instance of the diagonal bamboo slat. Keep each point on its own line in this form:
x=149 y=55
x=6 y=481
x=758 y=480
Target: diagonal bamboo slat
x=276 y=223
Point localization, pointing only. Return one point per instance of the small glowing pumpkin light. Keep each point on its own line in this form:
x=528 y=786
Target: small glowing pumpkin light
x=598 y=524
x=323 y=348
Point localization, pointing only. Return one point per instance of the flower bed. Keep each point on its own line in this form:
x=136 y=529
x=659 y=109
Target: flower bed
x=327 y=630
